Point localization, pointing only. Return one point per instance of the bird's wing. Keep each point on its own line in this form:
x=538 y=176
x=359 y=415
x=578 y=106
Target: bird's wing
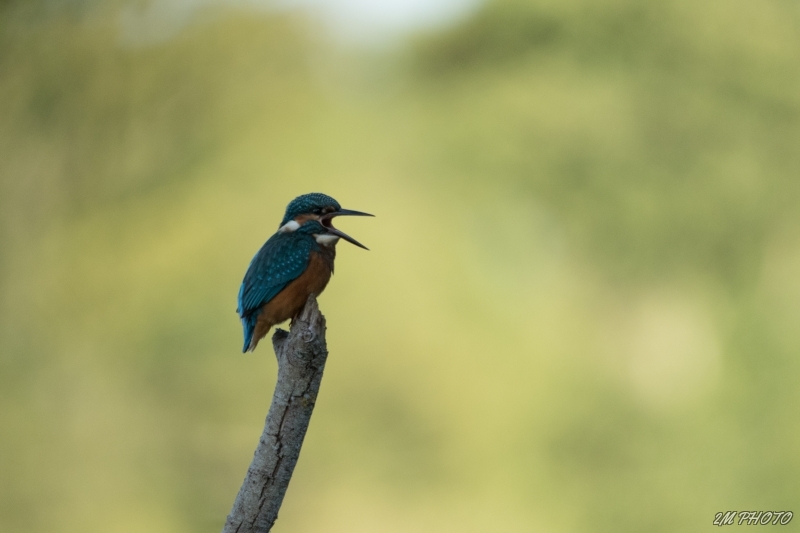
x=282 y=259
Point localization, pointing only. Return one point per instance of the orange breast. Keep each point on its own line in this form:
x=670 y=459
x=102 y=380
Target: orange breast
x=290 y=301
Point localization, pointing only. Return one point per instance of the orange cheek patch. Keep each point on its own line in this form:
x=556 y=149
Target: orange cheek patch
x=300 y=219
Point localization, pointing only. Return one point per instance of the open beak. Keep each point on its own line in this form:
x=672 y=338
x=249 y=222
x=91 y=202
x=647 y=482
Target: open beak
x=327 y=221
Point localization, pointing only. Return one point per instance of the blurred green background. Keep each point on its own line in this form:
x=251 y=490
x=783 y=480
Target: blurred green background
x=579 y=312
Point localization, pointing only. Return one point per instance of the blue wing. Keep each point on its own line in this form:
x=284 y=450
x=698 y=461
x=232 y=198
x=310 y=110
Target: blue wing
x=283 y=258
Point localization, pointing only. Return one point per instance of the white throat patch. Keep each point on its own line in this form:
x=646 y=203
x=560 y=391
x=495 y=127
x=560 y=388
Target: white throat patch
x=290 y=226
x=326 y=239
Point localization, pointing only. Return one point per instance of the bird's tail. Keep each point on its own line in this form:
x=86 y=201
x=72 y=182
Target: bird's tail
x=249 y=325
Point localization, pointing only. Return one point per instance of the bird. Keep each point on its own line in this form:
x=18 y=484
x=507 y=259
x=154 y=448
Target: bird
x=294 y=263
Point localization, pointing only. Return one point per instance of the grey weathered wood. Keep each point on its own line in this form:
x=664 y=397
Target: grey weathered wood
x=301 y=357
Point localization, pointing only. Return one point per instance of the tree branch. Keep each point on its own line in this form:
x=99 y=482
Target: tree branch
x=301 y=357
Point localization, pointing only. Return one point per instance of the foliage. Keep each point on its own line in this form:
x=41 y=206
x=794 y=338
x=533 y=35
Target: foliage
x=578 y=312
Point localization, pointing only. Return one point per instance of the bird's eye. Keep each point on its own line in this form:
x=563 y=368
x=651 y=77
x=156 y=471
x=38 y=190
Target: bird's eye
x=317 y=211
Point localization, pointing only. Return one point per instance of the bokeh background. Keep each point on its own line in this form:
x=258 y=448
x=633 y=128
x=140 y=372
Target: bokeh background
x=579 y=312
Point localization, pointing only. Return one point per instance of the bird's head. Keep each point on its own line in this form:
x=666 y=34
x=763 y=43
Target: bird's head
x=320 y=209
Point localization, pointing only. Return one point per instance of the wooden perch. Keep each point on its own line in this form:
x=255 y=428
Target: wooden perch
x=301 y=357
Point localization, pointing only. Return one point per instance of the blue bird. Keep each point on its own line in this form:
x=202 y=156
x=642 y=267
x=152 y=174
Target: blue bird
x=294 y=263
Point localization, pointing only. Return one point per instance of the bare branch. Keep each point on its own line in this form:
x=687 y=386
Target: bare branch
x=301 y=357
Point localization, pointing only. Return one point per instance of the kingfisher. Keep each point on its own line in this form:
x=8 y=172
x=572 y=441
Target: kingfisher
x=296 y=262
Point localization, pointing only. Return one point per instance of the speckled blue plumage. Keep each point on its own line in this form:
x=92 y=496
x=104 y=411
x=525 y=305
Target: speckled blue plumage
x=306 y=204
x=283 y=258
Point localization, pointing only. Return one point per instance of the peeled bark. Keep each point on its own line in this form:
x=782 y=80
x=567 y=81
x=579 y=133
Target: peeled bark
x=301 y=357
